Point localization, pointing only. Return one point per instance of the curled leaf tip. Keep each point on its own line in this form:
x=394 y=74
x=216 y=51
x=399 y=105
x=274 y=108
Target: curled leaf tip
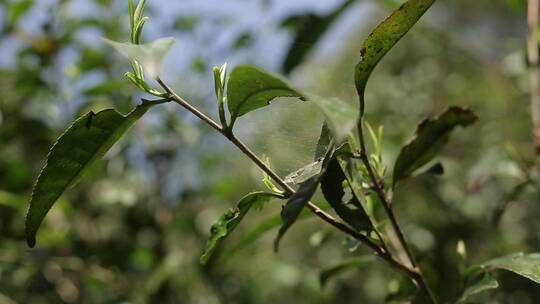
x=31 y=241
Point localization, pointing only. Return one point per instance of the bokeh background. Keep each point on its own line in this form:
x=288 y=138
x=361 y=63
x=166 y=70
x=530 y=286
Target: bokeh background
x=133 y=229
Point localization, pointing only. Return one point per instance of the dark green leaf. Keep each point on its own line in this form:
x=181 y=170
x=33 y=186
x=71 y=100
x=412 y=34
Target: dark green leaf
x=250 y=88
x=230 y=219
x=85 y=141
x=310 y=29
x=525 y=265
x=332 y=189
x=486 y=283
x=431 y=135
x=295 y=205
x=384 y=37
x=350 y=263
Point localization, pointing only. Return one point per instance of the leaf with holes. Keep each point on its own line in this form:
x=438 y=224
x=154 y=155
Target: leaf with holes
x=85 y=141
x=431 y=135
x=384 y=37
x=250 y=88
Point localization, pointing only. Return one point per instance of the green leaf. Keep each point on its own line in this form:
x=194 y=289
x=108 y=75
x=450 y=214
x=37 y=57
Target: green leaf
x=350 y=263
x=383 y=38
x=85 y=141
x=136 y=20
x=131 y=10
x=295 y=205
x=149 y=55
x=226 y=224
x=139 y=10
x=220 y=75
x=250 y=88
x=220 y=78
x=487 y=283
x=431 y=135
x=332 y=189
x=138 y=30
x=311 y=28
x=340 y=116
x=525 y=265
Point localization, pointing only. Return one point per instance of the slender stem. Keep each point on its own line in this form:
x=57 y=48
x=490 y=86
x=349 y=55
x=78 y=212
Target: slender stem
x=383 y=253
x=387 y=204
x=179 y=100
x=534 y=68
x=221 y=110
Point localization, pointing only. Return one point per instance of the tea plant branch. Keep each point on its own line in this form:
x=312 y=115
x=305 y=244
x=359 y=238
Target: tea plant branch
x=379 y=251
x=387 y=204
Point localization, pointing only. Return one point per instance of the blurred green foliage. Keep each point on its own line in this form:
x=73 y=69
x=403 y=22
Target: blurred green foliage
x=133 y=230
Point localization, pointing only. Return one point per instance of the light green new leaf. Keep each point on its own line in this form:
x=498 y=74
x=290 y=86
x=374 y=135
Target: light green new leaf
x=431 y=135
x=139 y=10
x=230 y=219
x=487 y=283
x=525 y=265
x=250 y=88
x=383 y=38
x=131 y=10
x=85 y=141
x=340 y=116
x=149 y=55
x=350 y=263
